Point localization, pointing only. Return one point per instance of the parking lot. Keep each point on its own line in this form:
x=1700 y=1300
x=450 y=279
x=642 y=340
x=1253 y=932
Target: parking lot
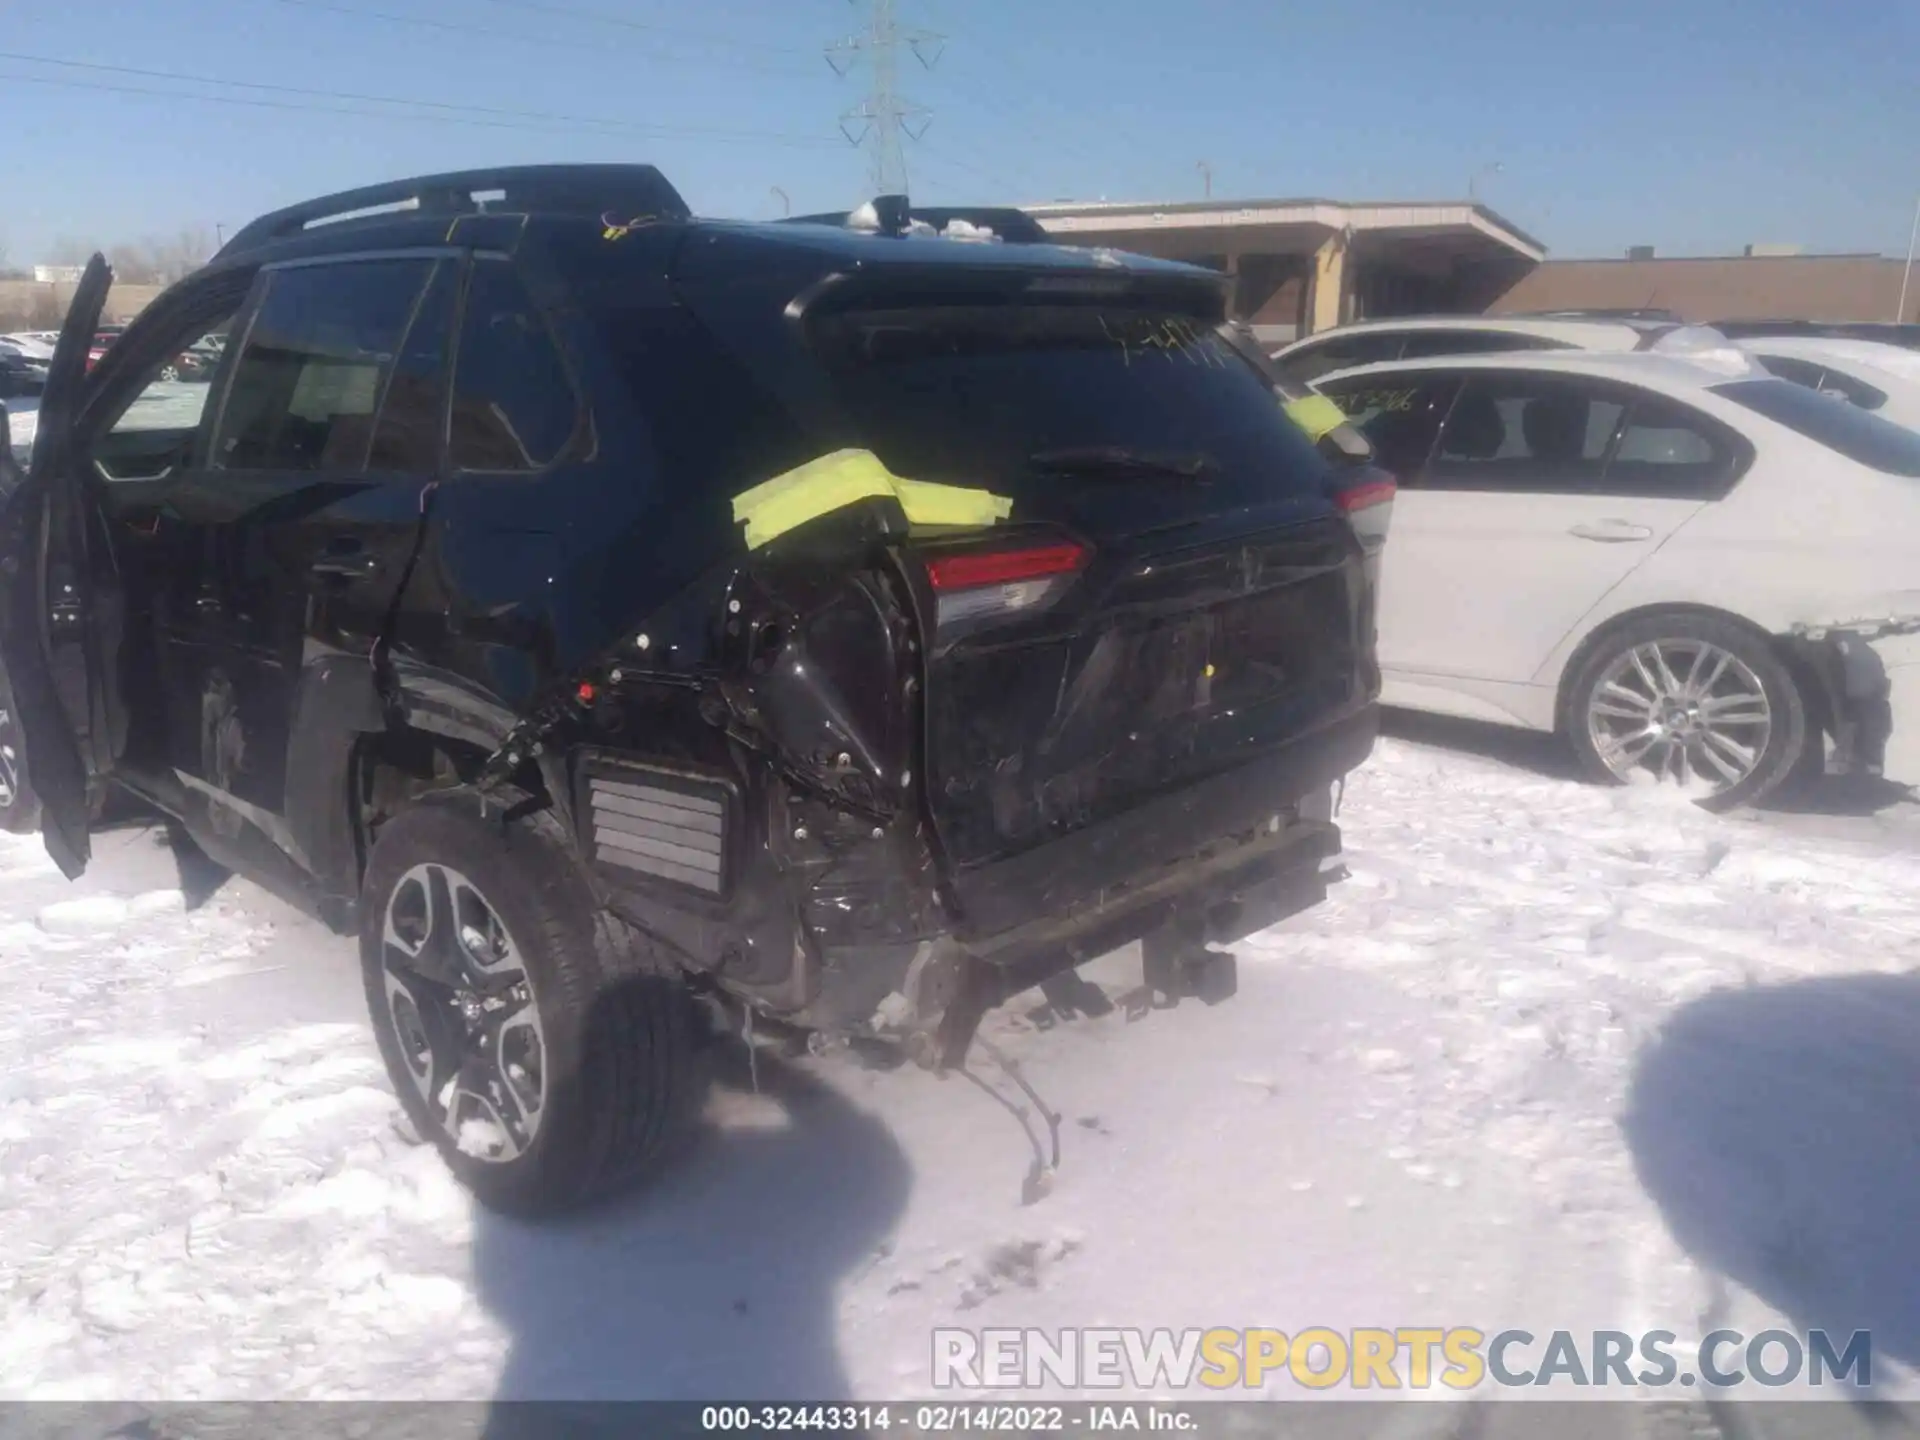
x=1555 y=1056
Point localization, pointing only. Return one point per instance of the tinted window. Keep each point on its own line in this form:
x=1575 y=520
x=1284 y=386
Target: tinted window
x=1835 y=384
x=1667 y=450
x=175 y=395
x=1399 y=414
x=1470 y=342
x=316 y=360
x=1002 y=395
x=1525 y=432
x=1800 y=372
x=412 y=417
x=513 y=405
x=1340 y=353
x=1846 y=429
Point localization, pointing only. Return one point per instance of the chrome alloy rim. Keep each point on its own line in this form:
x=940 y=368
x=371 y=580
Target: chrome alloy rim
x=1682 y=710
x=9 y=760
x=463 y=1009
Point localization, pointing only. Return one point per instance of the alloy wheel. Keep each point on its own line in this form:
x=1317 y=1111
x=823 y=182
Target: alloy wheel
x=464 y=1012
x=1681 y=710
x=9 y=760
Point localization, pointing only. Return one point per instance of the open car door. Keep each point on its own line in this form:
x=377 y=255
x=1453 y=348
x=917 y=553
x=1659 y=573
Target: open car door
x=59 y=624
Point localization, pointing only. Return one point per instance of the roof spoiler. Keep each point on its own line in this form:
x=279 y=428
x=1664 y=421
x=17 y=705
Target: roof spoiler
x=587 y=190
x=896 y=215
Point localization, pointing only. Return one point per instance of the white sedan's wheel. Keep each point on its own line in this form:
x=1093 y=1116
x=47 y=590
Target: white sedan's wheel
x=1692 y=700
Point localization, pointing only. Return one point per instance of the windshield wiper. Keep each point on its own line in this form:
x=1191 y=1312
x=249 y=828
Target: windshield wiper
x=1122 y=461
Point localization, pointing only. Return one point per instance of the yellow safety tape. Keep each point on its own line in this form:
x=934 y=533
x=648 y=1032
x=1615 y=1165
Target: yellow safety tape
x=1315 y=414
x=846 y=477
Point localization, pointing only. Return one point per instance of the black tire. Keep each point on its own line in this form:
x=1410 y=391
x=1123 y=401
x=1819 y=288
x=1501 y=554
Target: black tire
x=1787 y=738
x=618 y=1039
x=19 y=806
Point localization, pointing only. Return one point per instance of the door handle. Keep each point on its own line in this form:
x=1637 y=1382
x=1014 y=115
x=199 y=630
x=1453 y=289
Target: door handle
x=345 y=558
x=345 y=567
x=1615 y=532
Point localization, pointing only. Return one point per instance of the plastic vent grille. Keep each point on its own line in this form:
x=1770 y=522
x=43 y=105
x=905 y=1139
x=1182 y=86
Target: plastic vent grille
x=671 y=834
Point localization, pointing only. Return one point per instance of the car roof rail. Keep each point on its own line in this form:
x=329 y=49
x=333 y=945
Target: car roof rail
x=892 y=215
x=626 y=191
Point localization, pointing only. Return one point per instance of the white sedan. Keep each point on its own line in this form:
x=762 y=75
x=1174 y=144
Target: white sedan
x=1692 y=570
x=1875 y=376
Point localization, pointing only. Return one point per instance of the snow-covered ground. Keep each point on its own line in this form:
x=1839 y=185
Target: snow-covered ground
x=1555 y=1057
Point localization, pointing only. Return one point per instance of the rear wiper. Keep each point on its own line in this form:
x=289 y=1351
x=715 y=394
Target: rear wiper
x=1120 y=460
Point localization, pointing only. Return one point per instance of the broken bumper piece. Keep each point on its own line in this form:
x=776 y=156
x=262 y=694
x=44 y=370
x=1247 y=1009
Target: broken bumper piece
x=1901 y=657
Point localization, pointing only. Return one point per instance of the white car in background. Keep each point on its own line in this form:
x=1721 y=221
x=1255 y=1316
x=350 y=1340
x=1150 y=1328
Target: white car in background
x=1875 y=376
x=1694 y=570
x=1374 y=342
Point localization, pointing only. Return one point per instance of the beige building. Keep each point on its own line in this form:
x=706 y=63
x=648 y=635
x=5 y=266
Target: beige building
x=1304 y=265
x=1755 y=286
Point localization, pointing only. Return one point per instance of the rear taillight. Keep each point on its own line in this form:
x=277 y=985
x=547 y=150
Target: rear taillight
x=1365 y=496
x=976 y=585
x=1366 y=499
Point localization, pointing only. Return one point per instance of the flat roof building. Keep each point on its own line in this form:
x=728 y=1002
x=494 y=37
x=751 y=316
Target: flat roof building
x=1306 y=265
x=1754 y=286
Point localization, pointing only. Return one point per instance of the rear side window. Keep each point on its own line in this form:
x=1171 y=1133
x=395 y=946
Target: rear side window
x=1666 y=451
x=317 y=359
x=1003 y=395
x=1845 y=429
x=514 y=406
x=1563 y=434
x=1340 y=352
x=413 y=416
x=1525 y=432
x=1400 y=415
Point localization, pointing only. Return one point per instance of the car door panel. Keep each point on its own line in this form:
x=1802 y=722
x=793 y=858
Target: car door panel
x=1522 y=507
x=1484 y=585
x=297 y=551
x=56 y=632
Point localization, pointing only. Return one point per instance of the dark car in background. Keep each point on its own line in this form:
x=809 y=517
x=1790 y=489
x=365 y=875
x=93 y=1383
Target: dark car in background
x=20 y=377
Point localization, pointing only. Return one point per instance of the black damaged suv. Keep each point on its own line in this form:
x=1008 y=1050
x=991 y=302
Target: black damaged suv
x=433 y=613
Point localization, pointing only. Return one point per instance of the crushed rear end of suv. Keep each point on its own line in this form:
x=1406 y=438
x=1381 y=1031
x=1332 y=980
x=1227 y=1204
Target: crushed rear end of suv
x=891 y=623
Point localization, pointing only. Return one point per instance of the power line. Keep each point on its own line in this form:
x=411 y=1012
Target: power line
x=568 y=12
x=443 y=109
x=552 y=42
x=885 y=115
x=943 y=157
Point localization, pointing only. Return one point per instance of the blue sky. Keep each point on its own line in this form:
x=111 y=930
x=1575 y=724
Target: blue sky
x=1692 y=125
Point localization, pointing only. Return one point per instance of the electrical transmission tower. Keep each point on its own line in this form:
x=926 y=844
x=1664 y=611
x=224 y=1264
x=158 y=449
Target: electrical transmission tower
x=885 y=115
